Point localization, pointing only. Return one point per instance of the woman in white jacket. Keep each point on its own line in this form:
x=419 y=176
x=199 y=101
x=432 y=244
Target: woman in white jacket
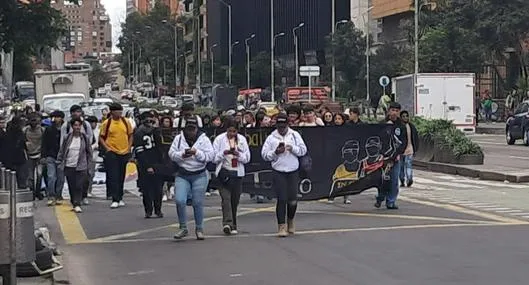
x=231 y=154
x=191 y=150
x=283 y=147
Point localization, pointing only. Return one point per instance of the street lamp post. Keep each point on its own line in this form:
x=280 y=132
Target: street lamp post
x=229 y=39
x=272 y=68
x=297 y=50
x=248 y=60
x=416 y=34
x=272 y=39
x=175 y=27
x=212 y=63
x=334 y=28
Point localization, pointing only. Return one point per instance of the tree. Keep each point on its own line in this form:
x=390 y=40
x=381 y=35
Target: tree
x=98 y=77
x=349 y=46
x=387 y=60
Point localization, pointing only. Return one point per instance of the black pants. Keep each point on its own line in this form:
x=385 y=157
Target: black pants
x=151 y=187
x=76 y=183
x=230 y=192
x=286 y=187
x=115 y=167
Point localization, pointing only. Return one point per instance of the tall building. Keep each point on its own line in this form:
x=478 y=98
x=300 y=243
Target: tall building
x=191 y=25
x=144 y=6
x=253 y=17
x=90 y=29
x=362 y=14
x=391 y=14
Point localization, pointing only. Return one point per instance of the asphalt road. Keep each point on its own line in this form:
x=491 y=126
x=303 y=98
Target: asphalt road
x=499 y=154
x=449 y=230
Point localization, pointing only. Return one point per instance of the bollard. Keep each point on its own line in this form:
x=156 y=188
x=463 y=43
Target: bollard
x=17 y=239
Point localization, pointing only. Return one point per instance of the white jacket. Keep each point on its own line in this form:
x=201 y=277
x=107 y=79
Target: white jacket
x=196 y=162
x=222 y=144
x=289 y=160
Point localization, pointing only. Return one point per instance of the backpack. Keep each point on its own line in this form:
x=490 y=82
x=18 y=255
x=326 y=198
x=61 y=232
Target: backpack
x=101 y=149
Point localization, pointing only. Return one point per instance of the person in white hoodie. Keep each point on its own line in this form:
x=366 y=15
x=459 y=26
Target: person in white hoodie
x=231 y=154
x=191 y=150
x=283 y=148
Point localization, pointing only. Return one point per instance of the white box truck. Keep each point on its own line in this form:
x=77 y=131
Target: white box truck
x=448 y=96
x=59 y=89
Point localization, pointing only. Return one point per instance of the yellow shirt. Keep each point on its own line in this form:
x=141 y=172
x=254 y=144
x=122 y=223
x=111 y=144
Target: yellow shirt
x=118 y=135
x=342 y=173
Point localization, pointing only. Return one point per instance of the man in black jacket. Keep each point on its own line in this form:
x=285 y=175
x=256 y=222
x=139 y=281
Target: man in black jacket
x=406 y=170
x=50 y=148
x=149 y=156
x=399 y=141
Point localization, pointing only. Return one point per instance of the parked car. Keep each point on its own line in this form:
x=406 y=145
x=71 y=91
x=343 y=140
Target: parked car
x=517 y=125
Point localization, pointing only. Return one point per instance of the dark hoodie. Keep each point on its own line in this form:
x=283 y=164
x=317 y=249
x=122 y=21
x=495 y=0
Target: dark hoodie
x=399 y=136
x=146 y=148
x=15 y=150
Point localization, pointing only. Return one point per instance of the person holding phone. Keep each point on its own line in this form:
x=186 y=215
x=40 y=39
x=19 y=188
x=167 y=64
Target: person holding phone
x=283 y=148
x=231 y=154
x=191 y=150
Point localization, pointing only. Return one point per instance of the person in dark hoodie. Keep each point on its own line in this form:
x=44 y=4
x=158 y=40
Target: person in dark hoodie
x=3 y=141
x=149 y=155
x=390 y=188
x=406 y=171
x=15 y=151
x=354 y=117
x=50 y=149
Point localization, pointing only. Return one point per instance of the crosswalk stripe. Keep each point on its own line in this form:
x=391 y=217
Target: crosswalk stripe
x=509 y=211
x=520 y=214
x=449 y=184
x=490 y=183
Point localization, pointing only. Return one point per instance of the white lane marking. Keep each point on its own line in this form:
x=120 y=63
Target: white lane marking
x=491 y=143
x=141 y=272
x=455 y=185
x=520 y=214
x=498 y=209
x=509 y=211
x=474 y=204
x=527 y=217
x=492 y=184
x=487 y=207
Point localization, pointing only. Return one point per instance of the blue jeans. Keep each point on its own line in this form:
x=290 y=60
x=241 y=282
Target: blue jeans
x=194 y=185
x=390 y=189
x=406 y=168
x=55 y=178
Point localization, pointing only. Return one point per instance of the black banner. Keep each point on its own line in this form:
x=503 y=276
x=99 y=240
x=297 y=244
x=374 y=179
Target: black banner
x=345 y=160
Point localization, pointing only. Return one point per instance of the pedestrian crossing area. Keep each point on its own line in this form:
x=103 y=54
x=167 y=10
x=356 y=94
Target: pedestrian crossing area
x=488 y=196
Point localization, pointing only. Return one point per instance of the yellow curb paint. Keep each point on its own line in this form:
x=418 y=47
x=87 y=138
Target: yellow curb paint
x=71 y=227
x=322 y=231
x=463 y=210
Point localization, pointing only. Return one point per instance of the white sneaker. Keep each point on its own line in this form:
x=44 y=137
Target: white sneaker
x=90 y=195
x=85 y=201
x=234 y=232
x=77 y=209
x=114 y=205
x=121 y=203
x=164 y=198
x=208 y=194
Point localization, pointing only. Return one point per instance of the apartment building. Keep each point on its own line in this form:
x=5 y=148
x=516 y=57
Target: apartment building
x=361 y=14
x=391 y=15
x=90 y=31
x=144 y=6
x=195 y=19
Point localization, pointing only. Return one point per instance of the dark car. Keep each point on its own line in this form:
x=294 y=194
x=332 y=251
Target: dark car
x=517 y=125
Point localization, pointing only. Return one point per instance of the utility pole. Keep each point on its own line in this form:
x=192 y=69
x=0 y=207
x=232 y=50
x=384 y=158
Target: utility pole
x=272 y=83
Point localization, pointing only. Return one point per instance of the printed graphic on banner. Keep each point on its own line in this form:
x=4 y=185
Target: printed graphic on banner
x=346 y=160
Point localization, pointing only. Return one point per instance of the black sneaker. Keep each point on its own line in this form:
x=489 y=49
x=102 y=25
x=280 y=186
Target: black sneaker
x=392 y=206
x=159 y=215
x=148 y=216
x=378 y=204
x=181 y=233
x=410 y=182
x=227 y=230
x=402 y=183
x=189 y=202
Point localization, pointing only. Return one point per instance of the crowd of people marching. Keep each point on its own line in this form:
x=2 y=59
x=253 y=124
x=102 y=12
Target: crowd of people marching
x=175 y=152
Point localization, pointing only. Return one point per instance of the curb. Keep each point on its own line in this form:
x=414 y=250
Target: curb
x=467 y=171
x=490 y=131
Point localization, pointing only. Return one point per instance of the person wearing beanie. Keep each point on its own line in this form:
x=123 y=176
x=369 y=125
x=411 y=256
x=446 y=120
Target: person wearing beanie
x=115 y=140
x=283 y=148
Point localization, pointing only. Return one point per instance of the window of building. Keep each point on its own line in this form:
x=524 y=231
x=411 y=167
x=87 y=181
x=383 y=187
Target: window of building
x=79 y=38
x=72 y=43
x=94 y=44
x=94 y=34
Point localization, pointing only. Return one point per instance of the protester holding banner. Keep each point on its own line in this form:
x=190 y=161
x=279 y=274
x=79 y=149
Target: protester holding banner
x=311 y=120
x=283 y=148
x=354 y=117
x=390 y=189
x=339 y=119
x=191 y=150
x=231 y=154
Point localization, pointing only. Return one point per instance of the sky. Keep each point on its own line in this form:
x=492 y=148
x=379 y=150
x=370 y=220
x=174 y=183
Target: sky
x=117 y=12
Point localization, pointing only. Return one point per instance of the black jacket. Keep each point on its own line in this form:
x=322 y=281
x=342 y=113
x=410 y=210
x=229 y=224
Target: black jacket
x=146 y=148
x=51 y=142
x=351 y=123
x=3 y=145
x=15 y=150
x=414 y=137
x=399 y=138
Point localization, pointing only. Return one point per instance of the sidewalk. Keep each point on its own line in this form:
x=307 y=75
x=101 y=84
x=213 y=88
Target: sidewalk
x=491 y=128
x=487 y=171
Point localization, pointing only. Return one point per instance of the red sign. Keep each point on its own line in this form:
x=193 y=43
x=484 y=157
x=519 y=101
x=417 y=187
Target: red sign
x=296 y=94
x=246 y=92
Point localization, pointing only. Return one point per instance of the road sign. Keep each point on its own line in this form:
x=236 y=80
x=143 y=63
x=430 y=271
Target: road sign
x=309 y=71
x=383 y=81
